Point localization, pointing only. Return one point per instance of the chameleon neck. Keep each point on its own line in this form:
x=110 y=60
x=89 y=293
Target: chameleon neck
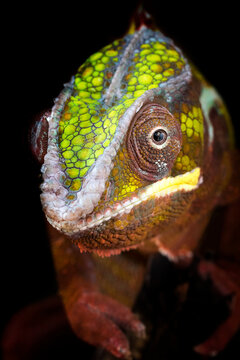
x=121 y=276
x=118 y=276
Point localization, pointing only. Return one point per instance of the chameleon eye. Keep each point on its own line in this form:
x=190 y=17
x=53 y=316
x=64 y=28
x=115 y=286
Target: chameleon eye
x=153 y=141
x=39 y=136
x=158 y=137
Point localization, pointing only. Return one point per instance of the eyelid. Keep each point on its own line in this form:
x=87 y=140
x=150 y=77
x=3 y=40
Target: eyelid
x=152 y=143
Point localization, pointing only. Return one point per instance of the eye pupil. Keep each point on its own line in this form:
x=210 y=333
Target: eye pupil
x=159 y=136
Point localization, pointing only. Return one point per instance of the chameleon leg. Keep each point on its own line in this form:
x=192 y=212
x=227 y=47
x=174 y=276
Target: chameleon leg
x=36 y=328
x=227 y=286
x=94 y=317
x=224 y=273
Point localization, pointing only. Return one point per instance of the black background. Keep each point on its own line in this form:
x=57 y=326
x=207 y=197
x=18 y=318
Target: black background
x=45 y=44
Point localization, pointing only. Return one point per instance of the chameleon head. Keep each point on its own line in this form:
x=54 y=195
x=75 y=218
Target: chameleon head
x=125 y=145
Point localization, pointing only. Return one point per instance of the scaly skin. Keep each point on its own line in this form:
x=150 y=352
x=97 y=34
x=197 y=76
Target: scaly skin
x=140 y=151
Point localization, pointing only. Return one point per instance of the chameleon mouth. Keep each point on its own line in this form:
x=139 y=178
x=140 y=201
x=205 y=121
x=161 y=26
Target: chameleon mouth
x=165 y=187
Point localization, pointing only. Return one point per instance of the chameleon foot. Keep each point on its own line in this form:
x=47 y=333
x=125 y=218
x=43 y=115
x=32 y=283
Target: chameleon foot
x=99 y=320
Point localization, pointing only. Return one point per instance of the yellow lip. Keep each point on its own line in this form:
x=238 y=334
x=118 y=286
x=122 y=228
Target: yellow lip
x=185 y=182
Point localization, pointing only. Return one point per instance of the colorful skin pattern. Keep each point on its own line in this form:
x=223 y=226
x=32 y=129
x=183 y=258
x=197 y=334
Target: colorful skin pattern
x=139 y=152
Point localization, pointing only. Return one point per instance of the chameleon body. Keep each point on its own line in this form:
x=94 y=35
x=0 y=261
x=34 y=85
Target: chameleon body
x=140 y=151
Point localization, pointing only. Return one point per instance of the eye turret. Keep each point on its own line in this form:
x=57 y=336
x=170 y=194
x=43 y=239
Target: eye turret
x=153 y=142
x=39 y=136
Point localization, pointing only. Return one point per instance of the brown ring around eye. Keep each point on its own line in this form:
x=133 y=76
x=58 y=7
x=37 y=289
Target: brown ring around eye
x=154 y=140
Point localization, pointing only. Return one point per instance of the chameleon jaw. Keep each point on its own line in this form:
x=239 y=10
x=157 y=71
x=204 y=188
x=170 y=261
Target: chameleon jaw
x=186 y=182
